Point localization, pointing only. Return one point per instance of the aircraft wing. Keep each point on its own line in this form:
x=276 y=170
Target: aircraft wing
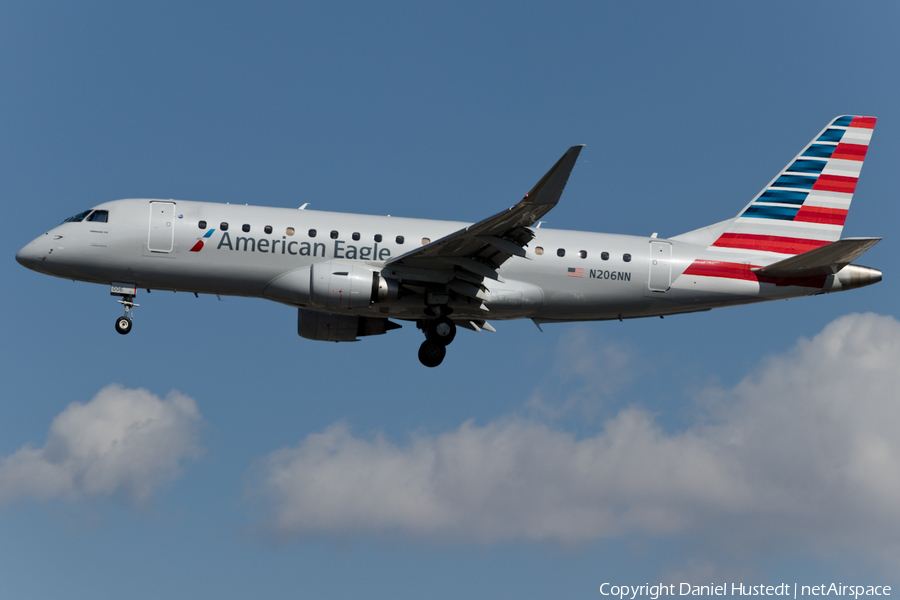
x=464 y=258
x=825 y=260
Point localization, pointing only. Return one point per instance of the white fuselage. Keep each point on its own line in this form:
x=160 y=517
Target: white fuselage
x=565 y=276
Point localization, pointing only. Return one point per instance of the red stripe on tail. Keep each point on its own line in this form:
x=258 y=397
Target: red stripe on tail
x=818 y=214
x=863 y=122
x=835 y=183
x=850 y=152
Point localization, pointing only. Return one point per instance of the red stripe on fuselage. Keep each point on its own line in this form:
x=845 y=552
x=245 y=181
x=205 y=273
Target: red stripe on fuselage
x=727 y=270
x=768 y=243
x=715 y=268
x=818 y=214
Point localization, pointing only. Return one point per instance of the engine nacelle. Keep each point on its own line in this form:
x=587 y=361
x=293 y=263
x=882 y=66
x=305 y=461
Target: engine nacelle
x=327 y=327
x=339 y=286
x=332 y=286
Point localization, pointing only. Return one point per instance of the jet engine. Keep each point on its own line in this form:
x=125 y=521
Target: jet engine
x=337 y=286
x=329 y=327
x=333 y=286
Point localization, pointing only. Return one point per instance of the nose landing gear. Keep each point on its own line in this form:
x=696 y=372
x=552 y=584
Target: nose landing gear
x=123 y=323
x=439 y=333
x=127 y=292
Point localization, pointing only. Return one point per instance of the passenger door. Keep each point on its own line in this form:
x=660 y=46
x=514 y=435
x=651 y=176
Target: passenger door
x=161 y=238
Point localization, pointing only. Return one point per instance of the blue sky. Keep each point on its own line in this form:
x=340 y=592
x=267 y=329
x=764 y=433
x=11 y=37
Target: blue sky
x=747 y=443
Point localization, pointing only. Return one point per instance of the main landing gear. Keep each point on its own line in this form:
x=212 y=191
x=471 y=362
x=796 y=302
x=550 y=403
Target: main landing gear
x=439 y=333
x=123 y=323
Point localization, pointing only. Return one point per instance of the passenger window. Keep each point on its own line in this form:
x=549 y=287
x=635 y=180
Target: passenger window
x=245 y=228
x=267 y=229
x=202 y=224
x=538 y=250
x=626 y=257
x=99 y=216
x=582 y=253
x=561 y=252
x=289 y=231
x=334 y=234
x=312 y=233
x=355 y=236
x=377 y=237
x=223 y=226
x=426 y=241
x=604 y=256
x=399 y=239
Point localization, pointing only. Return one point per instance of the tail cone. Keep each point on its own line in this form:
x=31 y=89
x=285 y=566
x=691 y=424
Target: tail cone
x=855 y=276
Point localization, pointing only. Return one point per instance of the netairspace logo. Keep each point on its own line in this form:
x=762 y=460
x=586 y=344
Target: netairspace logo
x=654 y=592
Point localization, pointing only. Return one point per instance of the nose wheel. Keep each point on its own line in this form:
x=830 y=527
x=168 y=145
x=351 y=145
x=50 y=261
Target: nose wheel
x=439 y=333
x=123 y=323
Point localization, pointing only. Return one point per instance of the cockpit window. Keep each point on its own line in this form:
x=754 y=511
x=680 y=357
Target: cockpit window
x=99 y=216
x=78 y=218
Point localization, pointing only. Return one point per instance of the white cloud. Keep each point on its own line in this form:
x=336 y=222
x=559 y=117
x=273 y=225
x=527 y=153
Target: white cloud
x=803 y=452
x=123 y=443
x=584 y=376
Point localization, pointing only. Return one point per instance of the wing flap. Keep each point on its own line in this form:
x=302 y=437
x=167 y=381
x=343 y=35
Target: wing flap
x=468 y=289
x=476 y=325
x=825 y=260
x=473 y=266
x=504 y=245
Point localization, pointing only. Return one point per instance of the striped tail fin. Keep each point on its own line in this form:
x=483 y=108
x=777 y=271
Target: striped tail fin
x=805 y=206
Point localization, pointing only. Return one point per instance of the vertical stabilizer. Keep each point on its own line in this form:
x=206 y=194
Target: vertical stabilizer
x=805 y=206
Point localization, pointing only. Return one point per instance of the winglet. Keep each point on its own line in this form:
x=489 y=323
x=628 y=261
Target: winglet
x=549 y=189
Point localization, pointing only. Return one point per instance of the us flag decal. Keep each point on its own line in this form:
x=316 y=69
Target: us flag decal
x=576 y=272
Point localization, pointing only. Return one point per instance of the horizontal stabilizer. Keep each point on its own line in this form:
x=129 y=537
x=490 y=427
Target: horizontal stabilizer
x=825 y=260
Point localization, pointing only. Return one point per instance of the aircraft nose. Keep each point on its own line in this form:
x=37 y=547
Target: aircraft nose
x=29 y=256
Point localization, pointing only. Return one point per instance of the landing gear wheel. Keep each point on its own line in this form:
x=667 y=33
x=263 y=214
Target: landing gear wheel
x=442 y=330
x=123 y=325
x=432 y=353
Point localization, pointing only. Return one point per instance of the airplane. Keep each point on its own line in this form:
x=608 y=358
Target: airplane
x=352 y=275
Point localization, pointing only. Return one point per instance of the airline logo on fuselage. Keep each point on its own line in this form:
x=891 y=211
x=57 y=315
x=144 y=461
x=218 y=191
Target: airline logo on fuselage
x=341 y=248
x=199 y=245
